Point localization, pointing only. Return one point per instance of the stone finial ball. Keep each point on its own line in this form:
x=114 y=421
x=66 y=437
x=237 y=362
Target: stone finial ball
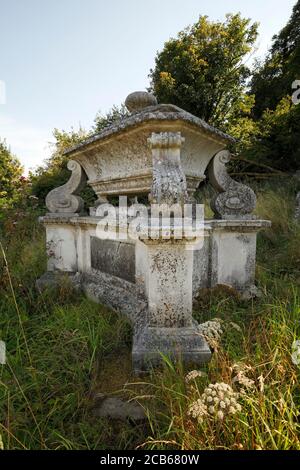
x=139 y=100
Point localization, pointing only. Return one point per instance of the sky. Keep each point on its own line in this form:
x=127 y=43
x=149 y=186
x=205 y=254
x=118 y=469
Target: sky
x=62 y=61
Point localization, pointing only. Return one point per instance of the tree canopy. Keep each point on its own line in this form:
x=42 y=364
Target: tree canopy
x=10 y=175
x=203 y=69
x=273 y=78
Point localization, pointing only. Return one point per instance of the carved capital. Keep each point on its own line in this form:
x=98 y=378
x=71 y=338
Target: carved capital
x=166 y=140
x=169 y=182
x=235 y=200
x=64 y=199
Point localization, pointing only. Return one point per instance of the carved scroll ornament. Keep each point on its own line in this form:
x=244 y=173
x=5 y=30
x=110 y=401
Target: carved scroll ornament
x=64 y=199
x=235 y=200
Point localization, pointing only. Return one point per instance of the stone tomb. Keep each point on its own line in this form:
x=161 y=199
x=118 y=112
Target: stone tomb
x=159 y=154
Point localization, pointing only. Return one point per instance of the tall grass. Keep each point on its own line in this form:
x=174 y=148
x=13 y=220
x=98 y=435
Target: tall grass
x=62 y=349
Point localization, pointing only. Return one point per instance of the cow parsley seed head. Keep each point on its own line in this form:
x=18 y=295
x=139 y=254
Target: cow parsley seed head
x=198 y=410
x=193 y=375
x=211 y=331
x=223 y=398
x=240 y=371
x=210 y=405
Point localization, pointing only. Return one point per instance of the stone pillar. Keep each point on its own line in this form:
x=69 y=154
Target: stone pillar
x=234 y=231
x=61 y=244
x=233 y=253
x=63 y=204
x=170 y=271
x=167 y=269
x=169 y=328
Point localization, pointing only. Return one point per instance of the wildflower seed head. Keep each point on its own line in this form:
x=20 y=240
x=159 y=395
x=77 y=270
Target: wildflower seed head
x=193 y=375
x=212 y=331
x=223 y=398
x=198 y=410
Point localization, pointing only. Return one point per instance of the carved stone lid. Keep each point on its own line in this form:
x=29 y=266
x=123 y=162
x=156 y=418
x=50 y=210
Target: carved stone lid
x=140 y=104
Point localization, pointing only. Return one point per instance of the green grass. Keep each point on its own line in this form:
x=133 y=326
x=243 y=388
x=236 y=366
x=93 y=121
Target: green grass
x=62 y=349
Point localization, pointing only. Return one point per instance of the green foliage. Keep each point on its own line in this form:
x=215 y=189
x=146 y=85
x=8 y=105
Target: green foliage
x=278 y=140
x=257 y=335
x=62 y=349
x=117 y=113
x=57 y=345
x=203 y=70
x=54 y=172
x=11 y=181
x=273 y=140
x=273 y=78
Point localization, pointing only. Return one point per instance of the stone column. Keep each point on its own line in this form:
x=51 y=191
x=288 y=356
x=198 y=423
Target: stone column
x=234 y=230
x=63 y=204
x=233 y=254
x=168 y=268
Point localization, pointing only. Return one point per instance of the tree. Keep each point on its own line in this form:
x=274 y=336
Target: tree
x=10 y=176
x=116 y=113
x=278 y=141
x=203 y=70
x=274 y=77
x=54 y=172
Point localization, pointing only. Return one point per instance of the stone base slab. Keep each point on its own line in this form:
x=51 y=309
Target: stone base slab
x=186 y=344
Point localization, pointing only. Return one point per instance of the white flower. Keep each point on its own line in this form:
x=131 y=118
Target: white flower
x=193 y=375
x=212 y=406
x=211 y=331
x=198 y=410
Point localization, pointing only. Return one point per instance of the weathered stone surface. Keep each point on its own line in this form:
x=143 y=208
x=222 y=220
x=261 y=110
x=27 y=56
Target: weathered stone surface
x=176 y=343
x=233 y=252
x=120 y=295
x=169 y=273
x=161 y=151
x=113 y=257
x=139 y=100
x=119 y=159
x=235 y=200
x=64 y=199
x=55 y=279
x=169 y=182
x=161 y=112
x=119 y=409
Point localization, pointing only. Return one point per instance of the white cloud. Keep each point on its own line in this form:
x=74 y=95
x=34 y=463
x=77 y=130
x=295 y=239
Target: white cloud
x=30 y=144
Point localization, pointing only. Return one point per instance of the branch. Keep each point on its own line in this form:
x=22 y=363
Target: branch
x=261 y=165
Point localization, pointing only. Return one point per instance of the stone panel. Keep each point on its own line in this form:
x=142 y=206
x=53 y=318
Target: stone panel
x=113 y=257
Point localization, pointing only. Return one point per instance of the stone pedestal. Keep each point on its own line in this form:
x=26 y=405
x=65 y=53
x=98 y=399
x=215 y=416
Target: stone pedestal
x=169 y=328
x=233 y=252
x=61 y=243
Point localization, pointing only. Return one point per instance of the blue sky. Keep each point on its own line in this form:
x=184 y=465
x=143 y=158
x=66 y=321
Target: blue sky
x=64 y=60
